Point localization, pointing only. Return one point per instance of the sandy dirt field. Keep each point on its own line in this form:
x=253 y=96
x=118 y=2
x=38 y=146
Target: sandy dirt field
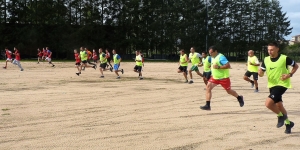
x=52 y=108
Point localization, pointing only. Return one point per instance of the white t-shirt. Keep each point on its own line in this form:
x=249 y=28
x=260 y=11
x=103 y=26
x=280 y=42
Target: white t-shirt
x=198 y=55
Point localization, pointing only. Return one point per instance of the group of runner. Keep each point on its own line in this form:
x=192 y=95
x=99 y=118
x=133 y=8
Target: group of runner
x=216 y=72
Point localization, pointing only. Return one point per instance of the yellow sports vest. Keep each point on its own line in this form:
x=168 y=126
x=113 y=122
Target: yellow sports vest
x=83 y=55
x=116 y=61
x=102 y=59
x=194 y=59
x=218 y=73
x=252 y=60
x=274 y=71
x=139 y=63
x=183 y=62
x=206 y=64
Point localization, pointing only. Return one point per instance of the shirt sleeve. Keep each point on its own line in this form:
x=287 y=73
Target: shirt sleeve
x=290 y=62
x=190 y=56
x=199 y=55
x=223 y=60
x=256 y=61
x=209 y=59
x=118 y=57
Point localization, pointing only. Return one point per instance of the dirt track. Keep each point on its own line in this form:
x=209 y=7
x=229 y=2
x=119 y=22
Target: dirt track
x=52 y=108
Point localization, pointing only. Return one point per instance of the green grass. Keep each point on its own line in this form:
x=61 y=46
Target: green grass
x=5 y=109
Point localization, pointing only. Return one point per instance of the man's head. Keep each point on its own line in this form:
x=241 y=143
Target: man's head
x=137 y=52
x=6 y=48
x=81 y=48
x=94 y=50
x=213 y=51
x=100 y=50
x=75 y=50
x=204 y=54
x=192 y=49
x=38 y=49
x=250 y=53
x=15 y=49
x=106 y=50
x=114 y=51
x=273 y=49
x=181 y=52
x=47 y=48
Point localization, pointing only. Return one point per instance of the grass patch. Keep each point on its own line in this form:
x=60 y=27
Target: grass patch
x=6 y=114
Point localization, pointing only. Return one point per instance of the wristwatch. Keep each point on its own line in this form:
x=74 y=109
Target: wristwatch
x=291 y=74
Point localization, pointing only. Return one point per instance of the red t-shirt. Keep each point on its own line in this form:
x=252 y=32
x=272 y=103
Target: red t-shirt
x=40 y=54
x=107 y=55
x=95 y=56
x=77 y=58
x=17 y=54
x=45 y=52
x=8 y=54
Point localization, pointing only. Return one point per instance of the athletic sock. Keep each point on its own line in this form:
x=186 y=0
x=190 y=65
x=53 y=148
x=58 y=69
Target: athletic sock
x=208 y=103
x=287 y=121
x=280 y=114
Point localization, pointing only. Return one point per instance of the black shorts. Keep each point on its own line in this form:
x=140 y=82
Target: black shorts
x=138 y=68
x=183 y=68
x=255 y=75
x=207 y=75
x=84 y=62
x=276 y=93
x=77 y=64
x=103 y=65
x=108 y=60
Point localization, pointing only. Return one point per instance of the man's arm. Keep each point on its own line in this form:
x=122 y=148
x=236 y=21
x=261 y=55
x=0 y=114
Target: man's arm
x=262 y=70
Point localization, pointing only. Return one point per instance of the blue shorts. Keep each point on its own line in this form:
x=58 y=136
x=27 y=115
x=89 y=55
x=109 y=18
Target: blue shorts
x=116 y=67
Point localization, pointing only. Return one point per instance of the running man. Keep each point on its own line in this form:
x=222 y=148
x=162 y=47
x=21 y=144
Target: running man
x=139 y=65
x=84 y=57
x=8 y=54
x=40 y=55
x=108 y=59
x=49 y=55
x=195 y=58
x=89 y=56
x=17 y=59
x=276 y=67
x=206 y=63
x=220 y=75
x=77 y=60
x=183 y=62
x=95 y=56
x=117 y=60
x=253 y=65
x=103 y=62
x=143 y=59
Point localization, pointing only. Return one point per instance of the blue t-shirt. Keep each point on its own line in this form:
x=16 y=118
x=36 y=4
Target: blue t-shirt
x=48 y=51
x=118 y=56
x=223 y=60
x=209 y=59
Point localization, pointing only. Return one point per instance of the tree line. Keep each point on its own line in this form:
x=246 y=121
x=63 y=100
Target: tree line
x=157 y=27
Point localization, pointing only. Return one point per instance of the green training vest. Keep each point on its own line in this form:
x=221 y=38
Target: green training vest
x=274 y=71
x=116 y=61
x=252 y=60
x=206 y=64
x=83 y=55
x=139 y=63
x=183 y=62
x=194 y=59
x=103 y=59
x=218 y=73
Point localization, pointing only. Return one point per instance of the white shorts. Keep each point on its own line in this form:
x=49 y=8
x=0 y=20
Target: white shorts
x=9 y=59
x=48 y=59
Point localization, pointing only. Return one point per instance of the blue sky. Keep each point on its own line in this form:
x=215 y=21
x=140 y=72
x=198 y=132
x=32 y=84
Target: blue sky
x=292 y=8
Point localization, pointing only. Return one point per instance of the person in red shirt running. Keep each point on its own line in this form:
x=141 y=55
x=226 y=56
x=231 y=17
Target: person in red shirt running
x=44 y=54
x=17 y=58
x=95 y=56
x=48 y=58
x=108 y=59
x=77 y=60
x=40 y=55
x=8 y=57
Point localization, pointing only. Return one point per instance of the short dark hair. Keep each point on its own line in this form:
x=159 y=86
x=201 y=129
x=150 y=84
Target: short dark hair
x=213 y=48
x=274 y=44
x=204 y=52
x=6 y=48
x=182 y=50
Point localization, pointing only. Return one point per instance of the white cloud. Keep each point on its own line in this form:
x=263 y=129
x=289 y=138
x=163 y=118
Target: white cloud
x=291 y=7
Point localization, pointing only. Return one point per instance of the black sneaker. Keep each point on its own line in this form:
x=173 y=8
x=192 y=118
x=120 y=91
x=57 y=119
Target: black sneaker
x=111 y=69
x=122 y=71
x=101 y=76
x=205 y=107
x=141 y=78
x=78 y=74
x=288 y=127
x=281 y=120
x=94 y=67
x=191 y=82
x=22 y=69
x=118 y=77
x=53 y=65
x=241 y=101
